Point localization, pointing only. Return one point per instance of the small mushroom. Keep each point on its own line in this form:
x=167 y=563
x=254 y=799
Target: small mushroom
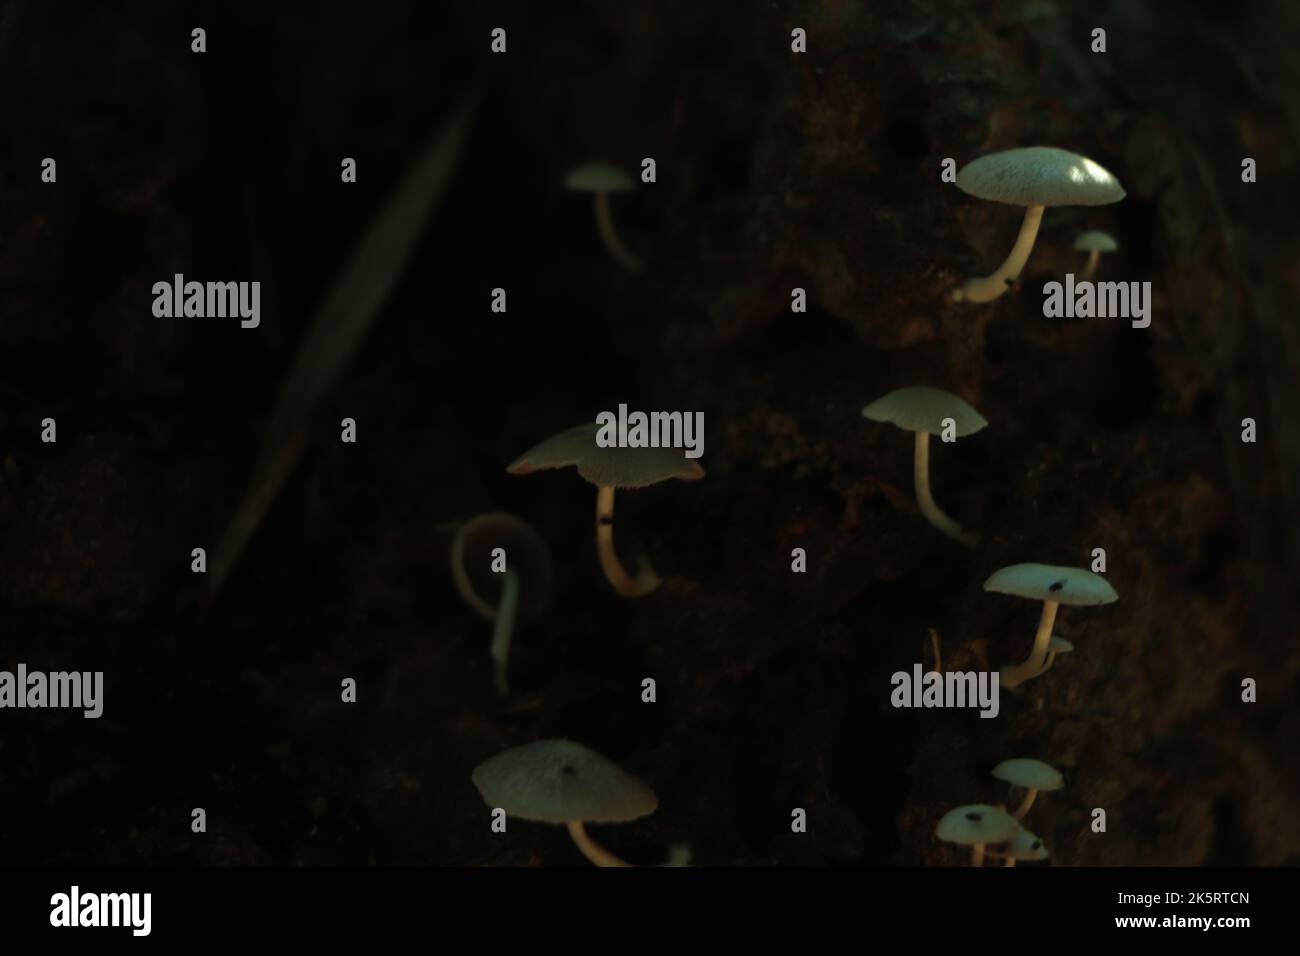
x=1053 y=586
x=563 y=782
x=922 y=410
x=499 y=596
x=1057 y=645
x=976 y=825
x=601 y=179
x=1023 y=846
x=1032 y=775
x=609 y=469
x=1094 y=242
x=1034 y=177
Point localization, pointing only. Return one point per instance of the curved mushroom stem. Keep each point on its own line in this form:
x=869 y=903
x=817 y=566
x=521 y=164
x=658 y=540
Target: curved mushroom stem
x=1032 y=666
x=504 y=628
x=990 y=287
x=646 y=580
x=933 y=513
x=1090 y=269
x=1025 y=804
x=977 y=854
x=592 y=850
x=1047 y=665
x=609 y=236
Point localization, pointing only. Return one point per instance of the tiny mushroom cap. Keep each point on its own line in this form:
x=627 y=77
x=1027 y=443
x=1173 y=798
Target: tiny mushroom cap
x=561 y=781
x=598 y=178
x=1095 y=241
x=1026 y=846
x=1029 y=773
x=918 y=408
x=1060 y=645
x=1039 y=176
x=976 y=823
x=526 y=554
x=1046 y=582
x=606 y=467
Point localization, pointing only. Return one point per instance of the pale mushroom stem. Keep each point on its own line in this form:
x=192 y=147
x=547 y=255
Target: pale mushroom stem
x=1032 y=666
x=1025 y=804
x=933 y=513
x=990 y=287
x=609 y=236
x=625 y=584
x=504 y=628
x=1047 y=665
x=977 y=854
x=1011 y=861
x=1090 y=269
x=592 y=850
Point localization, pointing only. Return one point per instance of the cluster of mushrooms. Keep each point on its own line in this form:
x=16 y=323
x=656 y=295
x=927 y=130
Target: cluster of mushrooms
x=501 y=566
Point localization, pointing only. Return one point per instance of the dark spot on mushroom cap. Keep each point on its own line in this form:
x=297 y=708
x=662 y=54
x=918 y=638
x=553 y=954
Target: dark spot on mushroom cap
x=972 y=816
x=1057 y=586
x=1036 y=844
x=568 y=771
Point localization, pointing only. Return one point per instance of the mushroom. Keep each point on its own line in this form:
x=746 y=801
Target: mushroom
x=1023 y=846
x=1034 y=177
x=1033 y=775
x=976 y=825
x=601 y=179
x=1057 y=645
x=498 y=596
x=1053 y=586
x=922 y=410
x=609 y=469
x=563 y=782
x=1094 y=243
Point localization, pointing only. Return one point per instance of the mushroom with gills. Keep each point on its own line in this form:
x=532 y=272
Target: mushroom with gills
x=1094 y=242
x=1034 y=177
x=922 y=410
x=601 y=179
x=521 y=590
x=976 y=826
x=609 y=469
x=1053 y=586
x=1032 y=775
x=563 y=782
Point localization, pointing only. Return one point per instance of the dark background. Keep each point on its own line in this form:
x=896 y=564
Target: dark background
x=775 y=170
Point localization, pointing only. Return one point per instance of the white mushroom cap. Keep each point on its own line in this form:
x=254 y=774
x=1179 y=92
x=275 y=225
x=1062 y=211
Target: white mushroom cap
x=606 y=467
x=1026 y=846
x=1039 y=176
x=976 y=823
x=1046 y=582
x=1095 y=241
x=560 y=781
x=1029 y=773
x=598 y=178
x=918 y=408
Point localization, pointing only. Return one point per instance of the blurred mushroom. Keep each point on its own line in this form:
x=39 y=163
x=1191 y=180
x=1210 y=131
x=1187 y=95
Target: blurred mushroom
x=1053 y=586
x=601 y=179
x=1094 y=243
x=499 y=595
x=608 y=469
x=1032 y=775
x=1034 y=177
x=1023 y=846
x=975 y=826
x=563 y=782
x=1057 y=645
x=922 y=410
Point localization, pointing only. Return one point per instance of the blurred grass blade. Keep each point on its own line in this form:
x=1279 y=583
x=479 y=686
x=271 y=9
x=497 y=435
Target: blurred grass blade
x=348 y=311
